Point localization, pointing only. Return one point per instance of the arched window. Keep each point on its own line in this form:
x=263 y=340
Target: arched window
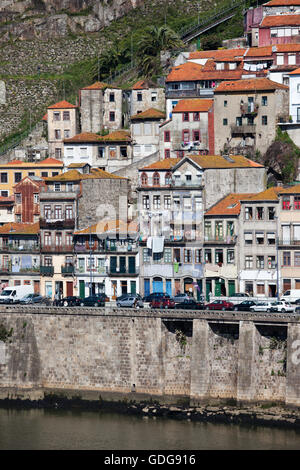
x=144 y=179
x=168 y=178
x=156 y=179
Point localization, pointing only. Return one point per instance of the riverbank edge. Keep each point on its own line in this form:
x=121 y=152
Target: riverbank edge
x=266 y=414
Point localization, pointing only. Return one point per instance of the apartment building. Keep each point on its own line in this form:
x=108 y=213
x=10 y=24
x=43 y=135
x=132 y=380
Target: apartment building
x=62 y=123
x=146 y=94
x=145 y=132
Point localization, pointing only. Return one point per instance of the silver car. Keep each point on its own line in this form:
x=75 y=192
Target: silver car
x=130 y=301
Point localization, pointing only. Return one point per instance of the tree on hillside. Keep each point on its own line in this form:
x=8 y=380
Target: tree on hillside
x=282 y=156
x=154 y=40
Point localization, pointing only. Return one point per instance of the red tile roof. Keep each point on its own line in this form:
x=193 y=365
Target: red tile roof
x=150 y=113
x=295 y=72
x=270 y=194
x=99 y=86
x=280 y=20
x=291 y=190
x=74 y=175
x=193 y=105
x=188 y=71
x=194 y=72
x=62 y=105
x=51 y=161
x=273 y=3
x=16 y=228
x=229 y=205
x=114 y=136
x=144 y=85
x=249 y=84
x=219 y=54
x=206 y=161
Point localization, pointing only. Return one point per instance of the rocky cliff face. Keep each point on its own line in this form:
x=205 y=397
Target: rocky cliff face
x=28 y=19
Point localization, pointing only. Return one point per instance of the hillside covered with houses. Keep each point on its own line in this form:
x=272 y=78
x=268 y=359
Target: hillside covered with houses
x=185 y=183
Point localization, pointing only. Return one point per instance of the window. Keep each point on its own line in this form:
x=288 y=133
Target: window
x=238 y=121
x=264 y=101
x=196 y=136
x=280 y=58
x=144 y=179
x=112 y=116
x=167 y=202
x=137 y=129
x=111 y=97
x=168 y=255
x=57 y=187
x=207 y=230
x=292 y=59
x=230 y=256
x=31 y=173
x=4 y=178
x=167 y=136
x=286 y=258
x=260 y=213
x=187 y=255
x=286 y=203
x=225 y=103
x=264 y=120
x=297 y=258
x=229 y=228
x=271 y=238
x=147 y=128
x=196 y=116
x=18 y=177
x=219 y=230
x=146 y=202
x=44 y=174
x=139 y=96
x=248 y=238
x=112 y=151
x=297 y=202
x=47 y=238
x=48 y=260
x=18 y=198
x=4 y=193
x=36 y=198
x=69 y=212
x=260 y=262
x=47 y=212
x=146 y=256
x=248 y=213
x=248 y=262
x=156 y=202
x=225 y=122
x=123 y=152
x=198 y=255
x=260 y=238
x=153 y=96
x=54 y=173
x=168 y=178
x=185 y=117
x=271 y=213
x=207 y=255
x=156 y=179
x=260 y=288
x=66 y=115
x=186 y=135
x=271 y=262
x=57 y=153
x=57 y=212
x=56 y=116
x=57 y=134
x=167 y=153
x=219 y=256
x=69 y=239
x=187 y=203
x=58 y=239
x=66 y=133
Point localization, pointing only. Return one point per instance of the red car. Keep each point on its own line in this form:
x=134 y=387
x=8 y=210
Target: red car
x=162 y=302
x=219 y=305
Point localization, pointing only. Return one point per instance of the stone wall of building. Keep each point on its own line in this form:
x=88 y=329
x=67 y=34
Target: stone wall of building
x=121 y=354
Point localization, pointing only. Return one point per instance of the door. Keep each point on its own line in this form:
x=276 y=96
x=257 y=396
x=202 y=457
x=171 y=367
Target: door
x=36 y=287
x=231 y=288
x=208 y=289
x=199 y=288
x=114 y=289
x=131 y=264
x=169 y=286
x=188 y=285
x=157 y=284
x=122 y=264
x=69 y=288
x=177 y=286
x=146 y=287
x=81 y=289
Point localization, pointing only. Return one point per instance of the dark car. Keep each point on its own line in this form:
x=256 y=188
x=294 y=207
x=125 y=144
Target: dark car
x=190 y=304
x=150 y=297
x=162 y=302
x=70 y=301
x=240 y=294
x=220 y=305
x=244 y=306
x=93 y=301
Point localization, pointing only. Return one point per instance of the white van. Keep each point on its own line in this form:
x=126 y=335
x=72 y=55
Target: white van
x=291 y=295
x=13 y=295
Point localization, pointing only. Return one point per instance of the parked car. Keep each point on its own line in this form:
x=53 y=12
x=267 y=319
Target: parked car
x=244 y=306
x=123 y=296
x=181 y=297
x=240 y=294
x=93 y=301
x=190 y=304
x=162 y=302
x=70 y=301
x=13 y=295
x=220 y=305
x=130 y=301
x=281 y=306
x=35 y=299
x=150 y=297
x=262 y=307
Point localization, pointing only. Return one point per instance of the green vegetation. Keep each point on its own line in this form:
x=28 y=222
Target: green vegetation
x=4 y=333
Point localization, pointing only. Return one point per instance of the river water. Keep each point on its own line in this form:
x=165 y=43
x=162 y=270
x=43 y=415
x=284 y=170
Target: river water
x=40 y=429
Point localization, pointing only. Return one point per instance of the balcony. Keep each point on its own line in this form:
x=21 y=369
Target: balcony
x=31 y=248
x=194 y=93
x=68 y=270
x=289 y=242
x=47 y=270
x=244 y=129
x=220 y=240
x=249 y=108
x=100 y=270
x=123 y=272
x=57 y=249
x=57 y=223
